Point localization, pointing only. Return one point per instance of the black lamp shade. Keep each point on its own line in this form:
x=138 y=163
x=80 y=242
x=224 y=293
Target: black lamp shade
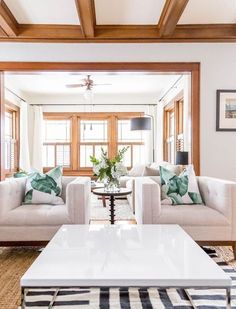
x=140 y=123
x=182 y=157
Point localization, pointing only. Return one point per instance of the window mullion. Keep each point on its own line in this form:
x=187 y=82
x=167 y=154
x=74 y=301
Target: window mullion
x=112 y=136
x=55 y=155
x=74 y=142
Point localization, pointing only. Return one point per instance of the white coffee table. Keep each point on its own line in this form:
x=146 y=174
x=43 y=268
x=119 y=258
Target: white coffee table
x=124 y=255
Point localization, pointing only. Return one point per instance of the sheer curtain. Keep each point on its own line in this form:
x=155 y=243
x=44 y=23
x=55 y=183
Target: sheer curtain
x=37 y=152
x=24 y=139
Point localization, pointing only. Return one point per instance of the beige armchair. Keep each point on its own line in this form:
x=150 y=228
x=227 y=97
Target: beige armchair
x=39 y=222
x=211 y=223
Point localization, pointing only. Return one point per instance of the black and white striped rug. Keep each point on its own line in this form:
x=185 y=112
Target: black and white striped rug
x=133 y=298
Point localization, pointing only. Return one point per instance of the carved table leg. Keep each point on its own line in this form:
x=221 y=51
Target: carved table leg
x=112 y=209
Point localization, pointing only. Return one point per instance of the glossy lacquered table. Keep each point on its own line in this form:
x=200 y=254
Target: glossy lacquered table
x=112 y=196
x=161 y=256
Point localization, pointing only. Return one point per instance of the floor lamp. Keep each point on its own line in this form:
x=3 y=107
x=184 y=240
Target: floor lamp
x=144 y=123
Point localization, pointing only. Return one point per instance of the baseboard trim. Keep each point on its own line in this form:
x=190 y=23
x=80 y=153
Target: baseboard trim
x=215 y=242
x=24 y=243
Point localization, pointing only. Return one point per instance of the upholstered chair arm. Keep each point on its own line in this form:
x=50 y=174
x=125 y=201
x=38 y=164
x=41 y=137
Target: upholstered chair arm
x=78 y=200
x=220 y=195
x=12 y=193
x=124 y=180
x=130 y=184
x=147 y=200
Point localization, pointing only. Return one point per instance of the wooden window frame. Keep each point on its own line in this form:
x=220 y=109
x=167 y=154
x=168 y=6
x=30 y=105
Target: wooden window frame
x=112 y=131
x=173 y=106
x=60 y=116
x=179 y=126
x=15 y=110
x=169 y=108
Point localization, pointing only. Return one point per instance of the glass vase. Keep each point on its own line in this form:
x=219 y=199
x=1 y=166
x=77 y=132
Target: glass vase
x=112 y=185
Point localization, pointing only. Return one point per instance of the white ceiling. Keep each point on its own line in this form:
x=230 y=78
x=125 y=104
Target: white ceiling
x=117 y=12
x=209 y=12
x=128 y=12
x=44 y=11
x=121 y=83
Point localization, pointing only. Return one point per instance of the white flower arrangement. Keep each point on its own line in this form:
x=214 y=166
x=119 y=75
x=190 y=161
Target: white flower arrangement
x=109 y=169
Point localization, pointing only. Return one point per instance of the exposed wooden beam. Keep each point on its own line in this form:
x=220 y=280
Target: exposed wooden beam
x=49 y=32
x=206 y=33
x=110 y=32
x=8 y=22
x=126 y=33
x=170 y=16
x=86 y=12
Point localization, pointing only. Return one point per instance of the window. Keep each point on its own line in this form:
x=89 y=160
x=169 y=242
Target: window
x=93 y=137
x=11 y=139
x=71 y=141
x=180 y=125
x=133 y=139
x=173 y=130
x=57 y=143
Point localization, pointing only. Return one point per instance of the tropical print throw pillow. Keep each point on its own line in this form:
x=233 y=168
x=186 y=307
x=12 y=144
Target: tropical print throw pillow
x=179 y=189
x=44 y=188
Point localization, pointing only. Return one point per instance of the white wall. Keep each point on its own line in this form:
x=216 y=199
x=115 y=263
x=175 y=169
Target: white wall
x=218 y=71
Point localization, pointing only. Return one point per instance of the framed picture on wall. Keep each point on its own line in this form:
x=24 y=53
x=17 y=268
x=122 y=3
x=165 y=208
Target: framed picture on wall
x=226 y=110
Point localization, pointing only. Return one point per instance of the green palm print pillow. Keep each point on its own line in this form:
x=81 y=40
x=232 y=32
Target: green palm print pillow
x=179 y=189
x=44 y=188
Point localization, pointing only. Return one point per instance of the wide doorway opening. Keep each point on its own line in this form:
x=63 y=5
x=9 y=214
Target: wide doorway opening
x=61 y=114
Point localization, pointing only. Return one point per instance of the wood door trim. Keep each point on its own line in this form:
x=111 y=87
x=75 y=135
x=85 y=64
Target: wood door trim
x=2 y=128
x=146 y=67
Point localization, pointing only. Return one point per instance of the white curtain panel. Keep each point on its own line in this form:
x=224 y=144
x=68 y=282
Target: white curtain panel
x=24 y=140
x=37 y=152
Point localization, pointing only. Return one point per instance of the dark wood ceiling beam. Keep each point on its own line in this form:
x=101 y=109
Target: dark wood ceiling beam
x=8 y=22
x=126 y=32
x=209 y=32
x=146 y=34
x=86 y=12
x=172 y=11
x=49 y=32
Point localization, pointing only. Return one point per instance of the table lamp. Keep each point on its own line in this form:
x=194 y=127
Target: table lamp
x=182 y=158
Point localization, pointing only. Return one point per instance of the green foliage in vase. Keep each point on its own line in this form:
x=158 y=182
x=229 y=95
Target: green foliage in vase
x=111 y=168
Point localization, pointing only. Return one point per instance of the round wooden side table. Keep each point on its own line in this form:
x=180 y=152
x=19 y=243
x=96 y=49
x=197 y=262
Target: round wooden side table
x=112 y=196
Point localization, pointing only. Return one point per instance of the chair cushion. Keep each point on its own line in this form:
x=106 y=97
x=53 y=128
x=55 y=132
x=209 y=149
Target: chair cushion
x=191 y=215
x=137 y=170
x=149 y=171
x=37 y=214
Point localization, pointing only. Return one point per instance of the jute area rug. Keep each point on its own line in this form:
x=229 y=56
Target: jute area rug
x=15 y=261
x=123 y=210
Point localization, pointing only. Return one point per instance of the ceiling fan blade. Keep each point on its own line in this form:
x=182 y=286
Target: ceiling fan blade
x=102 y=84
x=75 y=85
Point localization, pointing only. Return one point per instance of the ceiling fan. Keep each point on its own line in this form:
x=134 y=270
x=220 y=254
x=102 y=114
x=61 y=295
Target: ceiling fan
x=86 y=82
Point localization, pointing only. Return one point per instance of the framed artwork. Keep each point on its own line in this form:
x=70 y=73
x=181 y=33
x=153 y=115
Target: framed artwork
x=226 y=110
